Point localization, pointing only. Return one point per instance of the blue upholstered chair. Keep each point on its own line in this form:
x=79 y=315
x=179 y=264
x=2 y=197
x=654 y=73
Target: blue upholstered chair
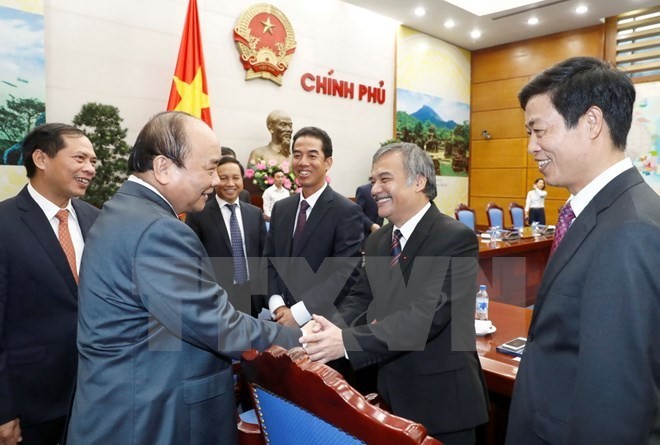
x=466 y=215
x=301 y=402
x=517 y=213
x=495 y=215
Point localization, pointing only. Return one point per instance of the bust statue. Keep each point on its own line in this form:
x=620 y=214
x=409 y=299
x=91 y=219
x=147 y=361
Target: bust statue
x=279 y=148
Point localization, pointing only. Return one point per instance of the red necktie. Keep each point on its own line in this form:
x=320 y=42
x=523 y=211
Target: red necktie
x=566 y=215
x=300 y=224
x=65 y=241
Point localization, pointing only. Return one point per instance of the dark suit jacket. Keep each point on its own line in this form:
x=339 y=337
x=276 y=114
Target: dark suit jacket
x=416 y=321
x=333 y=232
x=210 y=227
x=591 y=368
x=369 y=207
x=156 y=333
x=38 y=312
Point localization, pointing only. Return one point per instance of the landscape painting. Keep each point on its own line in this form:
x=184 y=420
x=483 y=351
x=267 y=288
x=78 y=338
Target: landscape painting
x=440 y=127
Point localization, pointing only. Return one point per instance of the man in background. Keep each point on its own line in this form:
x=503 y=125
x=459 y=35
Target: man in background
x=307 y=229
x=156 y=333
x=274 y=193
x=591 y=368
x=244 y=195
x=233 y=234
x=44 y=229
x=412 y=309
x=365 y=200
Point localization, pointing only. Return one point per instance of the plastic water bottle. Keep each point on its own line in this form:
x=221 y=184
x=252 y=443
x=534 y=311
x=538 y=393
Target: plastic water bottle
x=481 y=312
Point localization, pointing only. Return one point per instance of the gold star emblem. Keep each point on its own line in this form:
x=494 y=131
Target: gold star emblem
x=268 y=26
x=193 y=98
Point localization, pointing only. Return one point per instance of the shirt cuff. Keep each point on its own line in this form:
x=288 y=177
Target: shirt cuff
x=274 y=302
x=300 y=313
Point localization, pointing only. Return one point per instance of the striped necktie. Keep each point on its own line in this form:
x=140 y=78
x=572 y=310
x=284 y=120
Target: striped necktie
x=395 y=250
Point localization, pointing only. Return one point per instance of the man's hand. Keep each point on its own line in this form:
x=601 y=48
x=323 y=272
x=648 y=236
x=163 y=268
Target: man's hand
x=374 y=227
x=284 y=317
x=10 y=433
x=325 y=343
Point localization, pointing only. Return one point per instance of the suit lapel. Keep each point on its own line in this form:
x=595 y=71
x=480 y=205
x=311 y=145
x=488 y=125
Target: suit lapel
x=580 y=230
x=322 y=206
x=417 y=239
x=218 y=221
x=35 y=219
x=250 y=230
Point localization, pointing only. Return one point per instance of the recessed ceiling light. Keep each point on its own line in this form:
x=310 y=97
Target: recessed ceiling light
x=475 y=34
x=450 y=23
x=420 y=12
x=533 y=21
x=581 y=9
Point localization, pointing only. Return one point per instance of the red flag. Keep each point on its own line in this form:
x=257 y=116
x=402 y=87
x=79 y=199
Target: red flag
x=189 y=92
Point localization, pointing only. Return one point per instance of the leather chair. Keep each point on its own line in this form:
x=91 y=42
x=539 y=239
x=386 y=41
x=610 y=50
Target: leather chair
x=466 y=215
x=495 y=215
x=298 y=401
x=517 y=213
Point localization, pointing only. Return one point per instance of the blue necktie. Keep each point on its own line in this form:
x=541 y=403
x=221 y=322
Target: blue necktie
x=395 y=251
x=240 y=265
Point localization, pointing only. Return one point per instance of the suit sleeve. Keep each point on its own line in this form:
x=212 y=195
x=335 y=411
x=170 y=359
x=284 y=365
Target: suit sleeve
x=8 y=410
x=270 y=252
x=175 y=282
x=439 y=290
x=618 y=341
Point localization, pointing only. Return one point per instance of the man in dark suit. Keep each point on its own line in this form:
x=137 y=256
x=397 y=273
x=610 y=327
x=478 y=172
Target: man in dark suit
x=156 y=333
x=313 y=252
x=38 y=283
x=244 y=195
x=412 y=308
x=591 y=368
x=371 y=221
x=213 y=227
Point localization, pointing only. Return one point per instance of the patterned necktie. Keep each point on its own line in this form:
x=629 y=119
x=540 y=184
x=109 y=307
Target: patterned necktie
x=566 y=215
x=240 y=265
x=395 y=250
x=65 y=241
x=300 y=224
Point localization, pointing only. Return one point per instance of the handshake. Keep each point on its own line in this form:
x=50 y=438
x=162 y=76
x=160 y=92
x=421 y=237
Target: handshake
x=322 y=340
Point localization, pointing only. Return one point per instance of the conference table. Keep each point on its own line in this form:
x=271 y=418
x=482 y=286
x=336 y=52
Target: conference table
x=513 y=269
x=500 y=369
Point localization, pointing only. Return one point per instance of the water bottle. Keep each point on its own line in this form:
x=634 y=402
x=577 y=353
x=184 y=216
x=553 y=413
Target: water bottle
x=481 y=312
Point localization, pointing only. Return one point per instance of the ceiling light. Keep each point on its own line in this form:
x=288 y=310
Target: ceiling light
x=533 y=21
x=420 y=12
x=581 y=9
x=450 y=23
x=475 y=34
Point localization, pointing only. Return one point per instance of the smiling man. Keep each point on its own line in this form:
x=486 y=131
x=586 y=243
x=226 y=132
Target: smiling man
x=233 y=232
x=411 y=311
x=156 y=333
x=315 y=226
x=591 y=368
x=43 y=234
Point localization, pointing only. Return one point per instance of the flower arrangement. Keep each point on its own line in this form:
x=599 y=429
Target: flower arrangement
x=261 y=173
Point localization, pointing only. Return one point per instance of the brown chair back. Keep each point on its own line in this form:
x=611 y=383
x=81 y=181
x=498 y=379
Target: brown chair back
x=300 y=394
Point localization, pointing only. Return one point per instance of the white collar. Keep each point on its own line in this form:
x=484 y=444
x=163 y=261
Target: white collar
x=133 y=178
x=409 y=226
x=580 y=201
x=49 y=209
